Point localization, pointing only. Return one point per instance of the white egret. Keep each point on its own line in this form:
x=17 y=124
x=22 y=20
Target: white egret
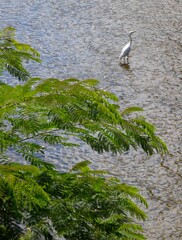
x=126 y=50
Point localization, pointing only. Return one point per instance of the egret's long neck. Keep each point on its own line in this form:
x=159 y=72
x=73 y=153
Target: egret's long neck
x=130 y=39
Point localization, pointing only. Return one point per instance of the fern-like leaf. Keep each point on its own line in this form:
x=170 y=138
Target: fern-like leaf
x=131 y=110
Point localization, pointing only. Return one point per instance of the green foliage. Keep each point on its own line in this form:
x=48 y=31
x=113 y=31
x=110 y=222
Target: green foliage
x=13 y=53
x=19 y=195
x=107 y=205
x=54 y=111
x=80 y=204
x=130 y=110
x=38 y=202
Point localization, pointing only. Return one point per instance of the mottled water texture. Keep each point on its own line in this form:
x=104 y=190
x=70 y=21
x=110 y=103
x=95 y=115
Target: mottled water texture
x=83 y=39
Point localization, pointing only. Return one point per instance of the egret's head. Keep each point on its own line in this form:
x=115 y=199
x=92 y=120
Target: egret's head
x=131 y=32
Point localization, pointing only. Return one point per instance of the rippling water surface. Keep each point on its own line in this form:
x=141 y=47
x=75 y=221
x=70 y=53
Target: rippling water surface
x=83 y=39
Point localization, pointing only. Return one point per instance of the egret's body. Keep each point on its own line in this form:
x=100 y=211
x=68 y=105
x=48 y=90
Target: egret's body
x=126 y=50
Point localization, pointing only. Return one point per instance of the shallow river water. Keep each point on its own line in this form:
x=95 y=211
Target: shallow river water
x=83 y=39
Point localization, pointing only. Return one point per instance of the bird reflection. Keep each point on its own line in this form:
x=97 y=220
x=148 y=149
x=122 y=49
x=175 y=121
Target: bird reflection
x=125 y=65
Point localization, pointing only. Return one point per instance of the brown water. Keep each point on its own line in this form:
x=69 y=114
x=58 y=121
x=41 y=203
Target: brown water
x=83 y=39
